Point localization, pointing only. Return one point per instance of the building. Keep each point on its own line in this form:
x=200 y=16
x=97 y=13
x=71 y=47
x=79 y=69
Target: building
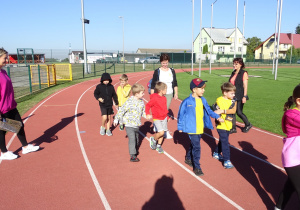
x=265 y=49
x=157 y=52
x=222 y=44
x=92 y=57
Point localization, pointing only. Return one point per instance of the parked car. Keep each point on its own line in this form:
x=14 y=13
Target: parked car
x=151 y=59
x=298 y=61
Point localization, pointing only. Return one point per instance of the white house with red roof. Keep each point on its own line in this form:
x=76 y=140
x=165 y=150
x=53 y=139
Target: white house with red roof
x=265 y=50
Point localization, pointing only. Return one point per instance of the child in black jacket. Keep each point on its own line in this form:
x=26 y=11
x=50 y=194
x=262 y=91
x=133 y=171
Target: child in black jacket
x=104 y=93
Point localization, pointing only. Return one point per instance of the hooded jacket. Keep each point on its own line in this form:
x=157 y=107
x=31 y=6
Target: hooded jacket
x=158 y=106
x=107 y=92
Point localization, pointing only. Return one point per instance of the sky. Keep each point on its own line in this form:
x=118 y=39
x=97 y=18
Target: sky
x=56 y=24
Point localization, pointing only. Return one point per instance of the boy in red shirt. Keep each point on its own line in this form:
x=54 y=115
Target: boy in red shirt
x=158 y=106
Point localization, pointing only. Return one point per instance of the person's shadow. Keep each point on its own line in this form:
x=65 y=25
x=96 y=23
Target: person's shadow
x=265 y=178
x=183 y=139
x=165 y=196
x=50 y=134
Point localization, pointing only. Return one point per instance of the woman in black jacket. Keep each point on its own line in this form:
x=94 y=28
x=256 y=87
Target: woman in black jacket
x=239 y=78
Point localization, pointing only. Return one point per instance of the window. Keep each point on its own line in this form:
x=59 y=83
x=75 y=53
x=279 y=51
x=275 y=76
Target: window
x=205 y=40
x=221 y=49
x=240 y=49
x=231 y=49
x=285 y=46
x=271 y=54
x=240 y=40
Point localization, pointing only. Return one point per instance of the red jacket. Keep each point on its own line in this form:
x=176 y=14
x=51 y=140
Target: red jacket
x=158 y=106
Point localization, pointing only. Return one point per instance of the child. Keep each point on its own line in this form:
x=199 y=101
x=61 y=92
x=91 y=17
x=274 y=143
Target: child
x=291 y=149
x=227 y=105
x=193 y=116
x=132 y=111
x=104 y=93
x=158 y=106
x=123 y=93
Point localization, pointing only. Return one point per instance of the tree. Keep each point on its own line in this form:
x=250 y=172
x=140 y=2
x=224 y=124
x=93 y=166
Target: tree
x=205 y=49
x=253 y=43
x=66 y=60
x=297 y=31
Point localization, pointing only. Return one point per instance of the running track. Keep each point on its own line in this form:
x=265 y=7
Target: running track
x=77 y=168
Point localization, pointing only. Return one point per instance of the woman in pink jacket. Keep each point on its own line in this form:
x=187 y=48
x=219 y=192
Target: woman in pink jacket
x=291 y=148
x=8 y=109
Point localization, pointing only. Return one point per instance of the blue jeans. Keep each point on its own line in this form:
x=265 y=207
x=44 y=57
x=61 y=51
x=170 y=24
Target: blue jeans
x=223 y=145
x=194 y=150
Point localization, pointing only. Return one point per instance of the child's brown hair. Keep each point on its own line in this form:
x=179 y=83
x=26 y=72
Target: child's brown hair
x=292 y=99
x=136 y=88
x=159 y=86
x=227 y=86
x=124 y=77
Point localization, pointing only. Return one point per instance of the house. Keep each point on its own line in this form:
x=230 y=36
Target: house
x=222 y=44
x=265 y=49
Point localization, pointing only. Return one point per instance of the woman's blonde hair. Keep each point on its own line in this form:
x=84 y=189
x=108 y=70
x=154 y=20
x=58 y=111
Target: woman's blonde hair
x=159 y=86
x=3 y=52
x=137 y=88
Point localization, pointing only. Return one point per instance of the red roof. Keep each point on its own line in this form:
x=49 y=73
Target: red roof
x=287 y=39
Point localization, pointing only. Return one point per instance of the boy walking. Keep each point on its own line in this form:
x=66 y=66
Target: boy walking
x=123 y=93
x=193 y=116
x=131 y=112
x=158 y=106
x=105 y=93
x=227 y=105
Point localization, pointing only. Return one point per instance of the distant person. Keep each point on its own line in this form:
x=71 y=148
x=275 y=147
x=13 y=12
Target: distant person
x=291 y=149
x=239 y=78
x=158 y=107
x=193 y=116
x=130 y=113
x=8 y=109
x=123 y=92
x=168 y=76
x=227 y=105
x=105 y=93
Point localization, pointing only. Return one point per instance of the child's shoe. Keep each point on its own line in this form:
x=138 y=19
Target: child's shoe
x=108 y=133
x=247 y=128
x=198 y=172
x=159 y=150
x=133 y=158
x=189 y=162
x=102 y=131
x=121 y=127
x=228 y=164
x=217 y=156
x=8 y=156
x=233 y=130
x=152 y=143
x=29 y=148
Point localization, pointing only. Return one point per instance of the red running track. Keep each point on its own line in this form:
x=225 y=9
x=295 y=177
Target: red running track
x=77 y=168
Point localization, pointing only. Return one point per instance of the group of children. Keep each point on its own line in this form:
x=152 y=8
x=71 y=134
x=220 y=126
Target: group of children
x=193 y=116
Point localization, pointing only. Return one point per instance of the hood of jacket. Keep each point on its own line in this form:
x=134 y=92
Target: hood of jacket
x=105 y=76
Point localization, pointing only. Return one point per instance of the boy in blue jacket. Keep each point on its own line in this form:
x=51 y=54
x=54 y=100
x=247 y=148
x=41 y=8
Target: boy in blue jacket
x=193 y=116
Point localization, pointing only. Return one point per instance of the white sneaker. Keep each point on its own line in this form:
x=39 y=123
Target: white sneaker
x=168 y=135
x=29 y=148
x=8 y=156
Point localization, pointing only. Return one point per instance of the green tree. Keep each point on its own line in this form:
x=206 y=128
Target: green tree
x=205 y=49
x=297 y=31
x=253 y=43
x=66 y=60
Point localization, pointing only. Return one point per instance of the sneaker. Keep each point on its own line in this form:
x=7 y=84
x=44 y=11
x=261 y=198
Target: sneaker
x=121 y=127
x=152 y=143
x=217 y=156
x=8 y=156
x=159 y=150
x=102 y=131
x=233 y=130
x=168 y=135
x=108 y=133
x=134 y=159
x=29 y=148
x=189 y=162
x=247 y=128
x=228 y=164
x=198 y=172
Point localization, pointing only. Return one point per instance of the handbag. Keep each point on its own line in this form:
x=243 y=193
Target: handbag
x=10 y=125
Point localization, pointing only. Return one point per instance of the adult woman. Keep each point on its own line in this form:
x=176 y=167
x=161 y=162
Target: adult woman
x=168 y=76
x=8 y=110
x=239 y=78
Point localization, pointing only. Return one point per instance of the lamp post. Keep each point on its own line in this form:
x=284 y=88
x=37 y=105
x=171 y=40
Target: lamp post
x=291 y=48
x=243 y=29
x=274 y=57
x=123 y=36
x=235 y=34
x=200 y=39
x=193 y=38
x=211 y=22
x=278 y=40
x=83 y=35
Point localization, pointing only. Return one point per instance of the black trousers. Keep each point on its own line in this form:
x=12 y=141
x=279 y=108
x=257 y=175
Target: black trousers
x=14 y=115
x=292 y=185
x=239 y=112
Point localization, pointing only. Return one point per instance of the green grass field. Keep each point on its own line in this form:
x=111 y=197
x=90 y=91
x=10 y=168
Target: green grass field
x=267 y=96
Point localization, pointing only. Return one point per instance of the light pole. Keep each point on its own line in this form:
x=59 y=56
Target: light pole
x=211 y=22
x=123 y=37
x=274 y=57
x=291 y=48
x=200 y=39
x=193 y=38
x=83 y=35
x=236 y=21
x=278 y=40
x=243 y=29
